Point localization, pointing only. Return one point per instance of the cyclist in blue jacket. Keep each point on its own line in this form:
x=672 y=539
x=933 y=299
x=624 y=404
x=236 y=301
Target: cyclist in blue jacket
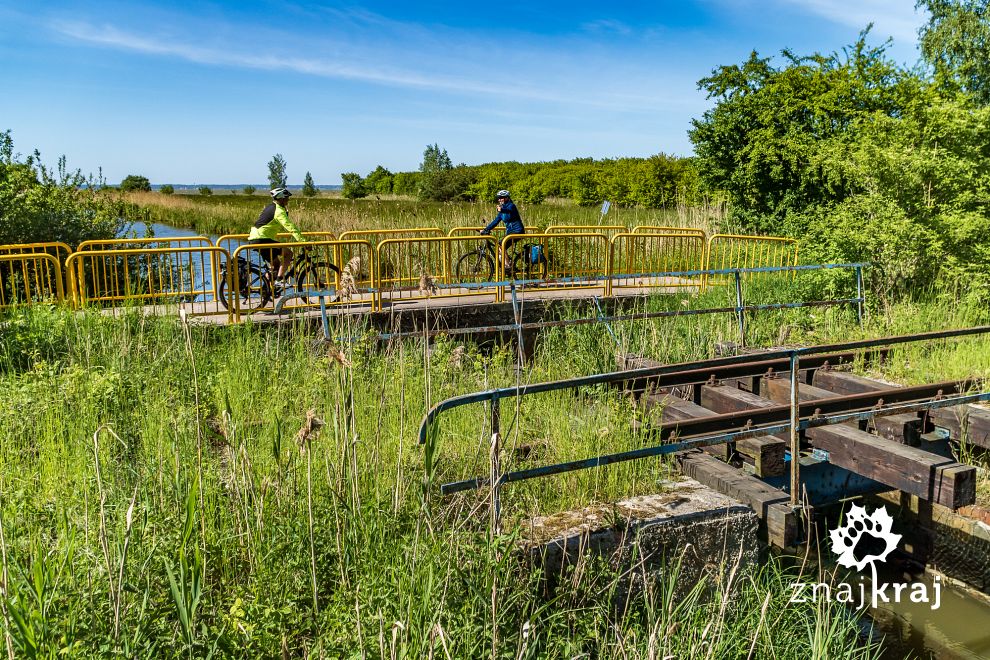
x=507 y=213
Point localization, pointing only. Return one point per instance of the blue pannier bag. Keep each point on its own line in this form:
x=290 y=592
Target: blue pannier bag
x=535 y=254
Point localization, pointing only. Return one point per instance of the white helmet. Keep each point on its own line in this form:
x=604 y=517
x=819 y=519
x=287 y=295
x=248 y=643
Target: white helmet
x=502 y=193
x=281 y=193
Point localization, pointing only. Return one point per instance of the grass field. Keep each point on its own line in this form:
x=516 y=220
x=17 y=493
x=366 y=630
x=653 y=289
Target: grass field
x=221 y=214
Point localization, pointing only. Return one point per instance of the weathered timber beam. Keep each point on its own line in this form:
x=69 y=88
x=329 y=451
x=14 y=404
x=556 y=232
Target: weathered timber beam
x=778 y=520
x=767 y=452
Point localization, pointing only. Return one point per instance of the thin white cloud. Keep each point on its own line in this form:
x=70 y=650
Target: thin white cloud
x=893 y=18
x=111 y=37
x=607 y=25
x=351 y=62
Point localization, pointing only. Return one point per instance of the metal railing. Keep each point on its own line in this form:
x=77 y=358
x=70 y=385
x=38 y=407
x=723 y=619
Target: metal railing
x=649 y=258
x=664 y=229
x=436 y=267
x=740 y=309
x=376 y=236
x=608 y=230
x=30 y=277
x=498 y=232
x=231 y=242
x=634 y=253
x=142 y=243
x=736 y=251
x=57 y=249
x=155 y=275
x=428 y=427
x=554 y=262
x=311 y=273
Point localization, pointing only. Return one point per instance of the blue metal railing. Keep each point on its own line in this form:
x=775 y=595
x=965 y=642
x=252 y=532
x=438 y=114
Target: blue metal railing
x=494 y=396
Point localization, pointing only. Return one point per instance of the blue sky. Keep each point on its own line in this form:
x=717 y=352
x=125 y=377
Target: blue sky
x=207 y=92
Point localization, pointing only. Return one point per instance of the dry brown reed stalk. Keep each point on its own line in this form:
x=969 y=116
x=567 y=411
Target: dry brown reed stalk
x=348 y=279
x=336 y=354
x=457 y=357
x=427 y=286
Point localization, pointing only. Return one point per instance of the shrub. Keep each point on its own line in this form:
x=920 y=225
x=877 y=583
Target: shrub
x=38 y=204
x=249 y=190
x=135 y=182
x=205 y=190
x=166 y=189
x=353 y=186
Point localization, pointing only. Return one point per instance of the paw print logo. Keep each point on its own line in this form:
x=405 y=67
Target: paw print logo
x=865 y=539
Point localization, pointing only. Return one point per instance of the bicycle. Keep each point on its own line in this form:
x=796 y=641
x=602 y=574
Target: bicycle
x=531 y=260
x=256 y=282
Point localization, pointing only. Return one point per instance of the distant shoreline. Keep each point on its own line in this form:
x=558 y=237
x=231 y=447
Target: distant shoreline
x=233 y=186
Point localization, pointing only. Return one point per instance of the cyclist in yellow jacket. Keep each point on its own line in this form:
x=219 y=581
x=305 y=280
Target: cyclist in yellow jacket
x=274 y=219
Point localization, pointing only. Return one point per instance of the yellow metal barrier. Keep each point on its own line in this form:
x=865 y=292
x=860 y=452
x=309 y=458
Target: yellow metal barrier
x=30 y=277
x=57 y=249
x=608 y=230
x=635 y=260
x=733 y=251
x=231 y=242
x=662 y=229
x=145 y=243
x=189 y=276
x=561 y=261
x=435 y=267
x=346 y=266
x=376 y=236
x=498 y=232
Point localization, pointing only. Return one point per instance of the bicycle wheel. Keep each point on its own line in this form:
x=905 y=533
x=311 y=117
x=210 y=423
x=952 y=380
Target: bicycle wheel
x=255 y=291
x=475 y=267
x=317 y=276
x=524 y=268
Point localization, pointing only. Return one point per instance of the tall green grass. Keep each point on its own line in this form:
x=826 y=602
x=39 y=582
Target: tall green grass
x=165 y=490
x=236 y=213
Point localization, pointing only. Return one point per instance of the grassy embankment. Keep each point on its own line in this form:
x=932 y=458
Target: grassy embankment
x=157 y=498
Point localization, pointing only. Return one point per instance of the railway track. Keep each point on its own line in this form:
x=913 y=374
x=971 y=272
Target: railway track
x=894 y=443
x=733 y=423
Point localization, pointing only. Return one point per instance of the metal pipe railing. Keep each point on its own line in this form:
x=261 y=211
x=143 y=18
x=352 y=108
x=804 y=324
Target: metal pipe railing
x=794 y=426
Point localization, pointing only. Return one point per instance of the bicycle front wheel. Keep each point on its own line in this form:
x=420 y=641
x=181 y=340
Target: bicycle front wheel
x=318 y=276
x=475 y=267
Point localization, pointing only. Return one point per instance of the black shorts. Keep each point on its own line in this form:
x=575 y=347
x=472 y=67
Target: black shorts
x=266 y=253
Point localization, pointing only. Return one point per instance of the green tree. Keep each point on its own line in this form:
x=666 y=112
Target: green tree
x=276 y=172
x=166 y=189
x=248 y=190
x=772 y=139
x=379 y=181
x=135 y=182
x=353 y=186
x=405 y=183
x=205 y=190
x=435 y=180
x=956 y=43
x=309 y=188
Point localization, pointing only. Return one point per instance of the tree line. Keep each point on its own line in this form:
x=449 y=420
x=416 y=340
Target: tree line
x=660 y=181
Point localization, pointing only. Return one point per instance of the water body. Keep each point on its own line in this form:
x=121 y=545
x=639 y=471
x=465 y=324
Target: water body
x=959 y=629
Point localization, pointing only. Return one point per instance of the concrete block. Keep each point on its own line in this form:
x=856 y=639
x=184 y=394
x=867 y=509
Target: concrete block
x=707 y=532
